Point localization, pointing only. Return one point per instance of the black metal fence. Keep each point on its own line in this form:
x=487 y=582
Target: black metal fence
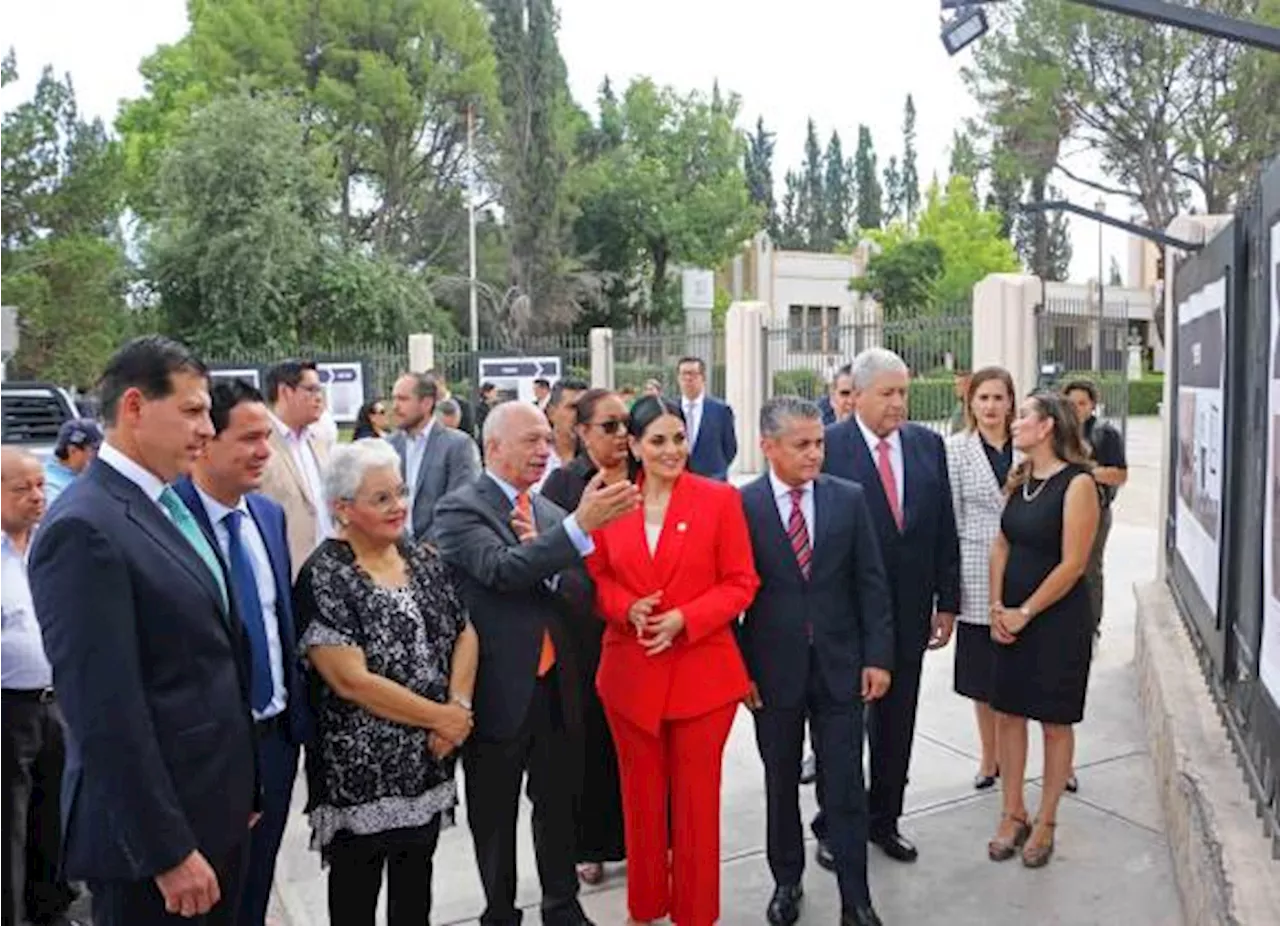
x=382 y=363
x=460 y=364
x=644 y=354
x=1222 y=537
x=935 y=344
x=1076 y=338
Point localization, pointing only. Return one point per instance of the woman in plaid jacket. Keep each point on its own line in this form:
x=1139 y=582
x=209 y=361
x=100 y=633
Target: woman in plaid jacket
x=978 y=460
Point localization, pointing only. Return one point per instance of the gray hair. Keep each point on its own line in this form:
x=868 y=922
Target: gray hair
x=350 y=463
x=499 y=419
x=448 y=407
x=871 y=363
x=778 y=412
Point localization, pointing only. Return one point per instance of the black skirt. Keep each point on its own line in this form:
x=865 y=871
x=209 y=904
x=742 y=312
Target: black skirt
x=975 y=661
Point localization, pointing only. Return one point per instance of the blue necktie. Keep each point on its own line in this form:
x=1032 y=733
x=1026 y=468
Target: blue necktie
x=245 y=585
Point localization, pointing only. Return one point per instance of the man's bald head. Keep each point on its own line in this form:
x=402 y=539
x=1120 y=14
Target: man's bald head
x=517 y=442
x=21 y=491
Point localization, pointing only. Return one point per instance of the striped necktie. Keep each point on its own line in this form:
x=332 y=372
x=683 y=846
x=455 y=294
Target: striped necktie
x=798 y=534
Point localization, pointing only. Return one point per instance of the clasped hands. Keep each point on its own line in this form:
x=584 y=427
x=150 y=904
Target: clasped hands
x=451 y=730
x=656 y=632
x=1007 y=623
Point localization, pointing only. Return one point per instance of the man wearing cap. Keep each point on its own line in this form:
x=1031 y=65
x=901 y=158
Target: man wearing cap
x=78 y=441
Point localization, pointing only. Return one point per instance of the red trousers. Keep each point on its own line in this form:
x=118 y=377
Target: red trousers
x=681 y=764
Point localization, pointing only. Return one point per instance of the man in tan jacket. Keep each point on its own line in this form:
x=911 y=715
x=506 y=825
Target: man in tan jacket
x=295 y=475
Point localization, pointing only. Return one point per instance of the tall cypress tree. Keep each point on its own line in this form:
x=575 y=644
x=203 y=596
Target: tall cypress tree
x=810 y=211
x=893 y=192
x=867 y=182
x=910 y=174
x=757 y=164
x=837 y=187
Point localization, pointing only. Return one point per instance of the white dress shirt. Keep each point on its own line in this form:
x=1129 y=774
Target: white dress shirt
x=693 y=417
x=895 y=456
x=782 y=498
x=150 y=484
x=256 y=547
x=24 y=664
x=304 y=458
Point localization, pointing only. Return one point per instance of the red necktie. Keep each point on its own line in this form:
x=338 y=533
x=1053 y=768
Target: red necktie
x=547 y=658
x=798 y=534
x=888 y=481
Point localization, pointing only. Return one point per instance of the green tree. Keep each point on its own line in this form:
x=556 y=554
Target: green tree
x=867 y=182
x=62 y=260
x=894 y=193
x=837 y=191
x=535 y=151
x=811 y=213
x=757 y=164
x=965 y=160
x=910 y=175
x=673 y=191
x=790 y=234
x=1114 y=277
x=383 y=86
x=240 y=260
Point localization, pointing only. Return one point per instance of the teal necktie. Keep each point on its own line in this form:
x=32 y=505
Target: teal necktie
x=185 y=521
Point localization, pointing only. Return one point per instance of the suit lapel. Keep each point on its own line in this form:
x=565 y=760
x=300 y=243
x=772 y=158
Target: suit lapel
x=821 y=516
x=498 y=508
x=432 y=439
x=909 y=463
x=864 y=469
x=278 y=573
x=279 y=446
x=762 y=498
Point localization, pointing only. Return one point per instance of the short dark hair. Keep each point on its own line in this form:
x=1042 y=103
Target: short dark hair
x=544 y=383
x=287 y=373
x=846 y=370
x=225 y=396
x=148 y=365
x=776 y=412
x=588 y=401
x=702 y=366
x=487 y=386
x=1086 y=386
x=570 y=384
x=424 y=385
x=648 y=410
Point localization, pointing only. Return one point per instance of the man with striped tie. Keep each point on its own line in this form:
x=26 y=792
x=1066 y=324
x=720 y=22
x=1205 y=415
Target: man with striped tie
x=818 y=642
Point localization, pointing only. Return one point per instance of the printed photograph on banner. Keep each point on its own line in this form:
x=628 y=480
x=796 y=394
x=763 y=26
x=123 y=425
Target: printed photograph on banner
x=1201 y=362
x=1269 y=657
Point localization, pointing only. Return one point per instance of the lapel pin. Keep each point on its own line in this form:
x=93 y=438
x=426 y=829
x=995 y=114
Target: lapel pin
x=681 y=527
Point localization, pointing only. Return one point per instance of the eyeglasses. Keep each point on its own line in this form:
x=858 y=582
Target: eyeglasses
x=611 y=426
x=315 y=389
x=385 y=501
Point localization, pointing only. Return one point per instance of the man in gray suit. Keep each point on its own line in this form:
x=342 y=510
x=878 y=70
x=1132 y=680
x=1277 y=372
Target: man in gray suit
x=517 y=557
x=435 y=459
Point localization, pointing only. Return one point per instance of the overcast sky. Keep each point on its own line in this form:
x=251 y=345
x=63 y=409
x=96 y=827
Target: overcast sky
x=843 y=62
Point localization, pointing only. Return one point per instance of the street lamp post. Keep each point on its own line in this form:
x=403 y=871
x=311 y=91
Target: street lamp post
x=471 y=227
x=1101 y=207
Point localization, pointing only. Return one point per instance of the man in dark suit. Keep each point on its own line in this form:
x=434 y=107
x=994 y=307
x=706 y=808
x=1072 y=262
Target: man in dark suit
x=518 y=557
x=713 y=441
x=434 y=459
x=902 y=468
x=818 y=641
x=148 y=660
x=248 y=530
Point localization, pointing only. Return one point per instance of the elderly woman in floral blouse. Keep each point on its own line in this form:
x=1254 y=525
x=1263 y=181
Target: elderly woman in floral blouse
x=394 y=662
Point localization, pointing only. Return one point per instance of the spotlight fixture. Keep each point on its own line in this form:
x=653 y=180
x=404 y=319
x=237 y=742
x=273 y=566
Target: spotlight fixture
x=966 y=27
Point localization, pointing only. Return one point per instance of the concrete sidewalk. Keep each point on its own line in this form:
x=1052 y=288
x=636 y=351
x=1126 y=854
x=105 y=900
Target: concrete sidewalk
x=1112 y=863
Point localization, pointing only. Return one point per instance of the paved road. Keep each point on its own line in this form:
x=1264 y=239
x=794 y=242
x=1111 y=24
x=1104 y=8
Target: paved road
x=1112 y=864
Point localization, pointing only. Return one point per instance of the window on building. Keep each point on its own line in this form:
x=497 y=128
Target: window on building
x=813 y=329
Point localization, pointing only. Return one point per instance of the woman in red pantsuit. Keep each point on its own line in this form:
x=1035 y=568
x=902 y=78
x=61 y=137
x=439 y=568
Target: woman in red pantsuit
x=670 y=580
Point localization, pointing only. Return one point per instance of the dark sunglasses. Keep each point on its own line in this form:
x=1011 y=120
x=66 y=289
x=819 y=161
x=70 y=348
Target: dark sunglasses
x=378 y=411
x=610 y=427
x=844 y=393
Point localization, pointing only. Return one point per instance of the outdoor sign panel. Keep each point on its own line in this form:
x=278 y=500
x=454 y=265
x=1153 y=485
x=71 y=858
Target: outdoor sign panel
x=514 y=376
x=1201 y=422
x=250 y=375
x=1269 y=661
x=343 y=384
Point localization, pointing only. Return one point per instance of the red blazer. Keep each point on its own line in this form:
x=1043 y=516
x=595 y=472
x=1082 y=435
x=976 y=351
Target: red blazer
x=704 y=567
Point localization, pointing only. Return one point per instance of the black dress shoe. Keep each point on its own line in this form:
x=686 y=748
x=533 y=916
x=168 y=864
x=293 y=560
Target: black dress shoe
x=896 y=846
x=860 y=916
x=824 y=856
x=784 y=908
x=809 y=769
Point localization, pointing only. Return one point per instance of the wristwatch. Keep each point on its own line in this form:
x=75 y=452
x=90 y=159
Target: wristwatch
x=464 y=703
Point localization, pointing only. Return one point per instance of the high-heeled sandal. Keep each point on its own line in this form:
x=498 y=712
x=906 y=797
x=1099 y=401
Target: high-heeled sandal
x=1037 y=856
x=1001 y=850
x=590 y=872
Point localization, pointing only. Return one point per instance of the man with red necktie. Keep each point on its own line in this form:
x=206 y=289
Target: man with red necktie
x=902 y=468
x=818 y=642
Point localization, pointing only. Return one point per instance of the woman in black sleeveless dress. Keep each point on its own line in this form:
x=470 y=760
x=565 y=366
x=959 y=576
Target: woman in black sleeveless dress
x=1041 y=616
